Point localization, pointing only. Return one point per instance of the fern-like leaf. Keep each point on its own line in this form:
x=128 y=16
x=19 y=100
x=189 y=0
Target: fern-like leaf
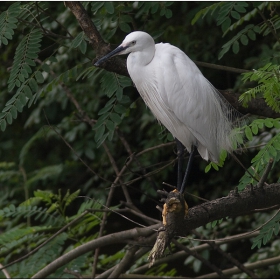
x=267 y=78
x=8 y=20
x=26 y=52
x=267 y=231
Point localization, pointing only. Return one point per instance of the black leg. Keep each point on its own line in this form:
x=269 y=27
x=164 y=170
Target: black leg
x=192 y=153
x=180 y=153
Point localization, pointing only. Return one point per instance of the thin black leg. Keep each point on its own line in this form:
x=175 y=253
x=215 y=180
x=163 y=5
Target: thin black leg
x=192 y=154
x=180 y=153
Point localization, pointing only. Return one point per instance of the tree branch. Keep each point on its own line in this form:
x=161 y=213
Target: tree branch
x=93 y=244
x=233 y=205
x=230 y=206
x=124 y=263
x=199 y=248
x=236 y=270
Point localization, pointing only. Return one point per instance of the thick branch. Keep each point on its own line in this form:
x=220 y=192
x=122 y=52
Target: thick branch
x=234 y=204
x=256 y=106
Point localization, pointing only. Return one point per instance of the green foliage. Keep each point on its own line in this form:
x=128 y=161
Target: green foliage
x=216 y=166
x=80 y=42
x=47 y=77
x=270 y=150
x=26 y=52
x=113 y=112
x=8 y=22
x=226 y=12
x=241 y=36
x=267 y=231
x=268 y=86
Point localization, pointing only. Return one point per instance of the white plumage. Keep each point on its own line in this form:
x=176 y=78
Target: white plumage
x=177 y=93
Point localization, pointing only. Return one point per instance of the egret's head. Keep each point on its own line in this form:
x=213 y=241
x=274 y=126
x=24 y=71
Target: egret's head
x=133 y=42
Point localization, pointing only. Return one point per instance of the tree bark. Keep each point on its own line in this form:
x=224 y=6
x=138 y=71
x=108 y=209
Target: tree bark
x=235 y=204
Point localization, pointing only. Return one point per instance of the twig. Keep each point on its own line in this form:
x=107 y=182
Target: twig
x=236 y=270
x=147 y=219
x=243 y=234
x=183 y=254
x=123 y=216
x=245 y=169
x=190 y=194
x=142 y=251
x=197 y=256
x=265 y=173
x=220 y=67
x=124 y=263
x=6 y=273
x=228 y=256
x=76 y=274
x=269 y=25
x=76 y=154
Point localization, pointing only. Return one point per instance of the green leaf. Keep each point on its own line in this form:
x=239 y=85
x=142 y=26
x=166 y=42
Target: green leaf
x=8 y=35
x=110 y=125
x=239 y=8
x=9 y=118
x=22 y=98
x=33 y=85
x=252 y=35
x=235 y=14
x=83 y=47
x=4 y=41
x=119 y=109
x=235 y=47
x=207 y=168
x=105 y=109
x=102 y=139
x=46 y=68
x=78 y=40
x=39 y=77
x=95 y=6
x=99 y=133
x=115 y=118
x=257 y=29
x=244 y=40
x=3 y=125
x=248 y=133
x=14 y=112
x=268 y=123
x=109 y=7
x=27 y=91
x=226 y=24
x=119 y=94
x=168 y=13
x=19 y=105
x=255 y=129
x=125 y=27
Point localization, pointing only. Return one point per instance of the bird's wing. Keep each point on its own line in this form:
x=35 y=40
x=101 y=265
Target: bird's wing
x=192 y=99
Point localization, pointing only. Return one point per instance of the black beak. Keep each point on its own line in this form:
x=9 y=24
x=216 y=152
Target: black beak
x=112 y=53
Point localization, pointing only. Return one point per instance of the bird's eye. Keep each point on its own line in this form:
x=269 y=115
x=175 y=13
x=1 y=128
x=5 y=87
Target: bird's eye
x=133 y=43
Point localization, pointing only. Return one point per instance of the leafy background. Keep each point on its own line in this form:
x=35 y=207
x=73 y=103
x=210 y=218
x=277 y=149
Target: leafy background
x=64 y=120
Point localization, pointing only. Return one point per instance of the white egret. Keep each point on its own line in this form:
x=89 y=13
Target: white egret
x=179 y=96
